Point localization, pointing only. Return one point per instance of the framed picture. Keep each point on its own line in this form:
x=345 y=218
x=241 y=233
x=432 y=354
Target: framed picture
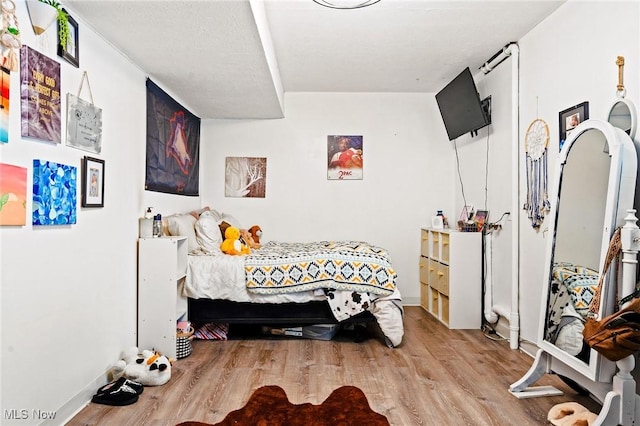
x=92 y=182
x=481 y=218
x=71 y=51
x=344 y=157
x=570 y=118
x=437 y=222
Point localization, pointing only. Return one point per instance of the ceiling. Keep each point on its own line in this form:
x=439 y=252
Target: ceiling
x=236 y=58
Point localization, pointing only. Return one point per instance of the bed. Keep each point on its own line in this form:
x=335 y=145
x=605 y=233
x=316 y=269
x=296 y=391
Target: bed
x=284 y=283
x=572 y=288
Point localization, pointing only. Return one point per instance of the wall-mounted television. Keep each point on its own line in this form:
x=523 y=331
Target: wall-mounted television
x=461 y=108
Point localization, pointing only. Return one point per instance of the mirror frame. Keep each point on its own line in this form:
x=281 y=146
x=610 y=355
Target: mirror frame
x=620 y=195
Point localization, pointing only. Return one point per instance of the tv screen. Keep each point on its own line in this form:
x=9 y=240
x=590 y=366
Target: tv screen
x=460 y=106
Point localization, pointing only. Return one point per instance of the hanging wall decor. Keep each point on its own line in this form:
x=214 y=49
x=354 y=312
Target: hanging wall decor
x=39 y=96
x=70 y=50
x=570 y=118
x=92 y=182
x=54 y=193
x=5 y=84
x=13 y=195
x=344 y=157
x=245 y=177
x=173 y=145
x=84 y=121
x=9 y=36
x=536 y=142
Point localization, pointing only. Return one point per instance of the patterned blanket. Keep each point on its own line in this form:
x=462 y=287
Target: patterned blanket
x=340 y=265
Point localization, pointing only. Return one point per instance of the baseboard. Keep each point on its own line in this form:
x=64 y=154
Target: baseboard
x=502 y=329
x=410 y=301
x=73 y=406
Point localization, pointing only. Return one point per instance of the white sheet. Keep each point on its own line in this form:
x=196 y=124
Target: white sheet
x=221 y=276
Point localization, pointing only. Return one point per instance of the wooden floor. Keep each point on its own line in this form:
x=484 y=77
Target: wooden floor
x=436 y=377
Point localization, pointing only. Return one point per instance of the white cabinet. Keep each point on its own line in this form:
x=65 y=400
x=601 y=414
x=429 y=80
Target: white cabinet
x=162 y=268
x=450 y=276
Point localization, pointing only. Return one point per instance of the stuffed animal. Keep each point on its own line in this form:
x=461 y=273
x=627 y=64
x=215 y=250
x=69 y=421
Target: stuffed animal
x=148 y=368
x=256 y=233
x=232 y=244
x=247 y=238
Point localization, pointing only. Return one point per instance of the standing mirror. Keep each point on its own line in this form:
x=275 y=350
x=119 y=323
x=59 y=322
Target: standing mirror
x=594 y=185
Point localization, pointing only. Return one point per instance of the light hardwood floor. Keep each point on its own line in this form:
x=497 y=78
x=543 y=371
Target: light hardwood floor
x=436 y=377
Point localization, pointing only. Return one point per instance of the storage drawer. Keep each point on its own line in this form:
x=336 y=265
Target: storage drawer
x=433 y=304
x=433 y=272
x=424 y=270
x=435 y=245
x=443 y=275
x=444 y=248
x=444 y=305
x=424 y=296
x=424 y=243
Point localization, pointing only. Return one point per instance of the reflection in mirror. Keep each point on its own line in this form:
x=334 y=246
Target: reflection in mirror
x=576 y=252
x=622 y=115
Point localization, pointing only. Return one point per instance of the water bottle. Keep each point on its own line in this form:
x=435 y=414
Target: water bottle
x=157 y=226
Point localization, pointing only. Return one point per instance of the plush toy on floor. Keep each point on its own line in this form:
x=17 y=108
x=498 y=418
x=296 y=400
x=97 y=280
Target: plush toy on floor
x=232 y=244
x=147 y=367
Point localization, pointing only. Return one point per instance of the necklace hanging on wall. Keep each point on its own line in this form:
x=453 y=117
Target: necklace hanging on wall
x=536 y=141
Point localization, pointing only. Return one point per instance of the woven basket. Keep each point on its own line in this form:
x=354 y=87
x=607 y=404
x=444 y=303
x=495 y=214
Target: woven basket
x=183 y=343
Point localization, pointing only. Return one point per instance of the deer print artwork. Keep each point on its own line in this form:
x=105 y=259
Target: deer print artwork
x=245 y=177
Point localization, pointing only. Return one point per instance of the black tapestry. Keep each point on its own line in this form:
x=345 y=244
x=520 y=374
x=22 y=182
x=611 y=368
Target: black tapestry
x=173 y=145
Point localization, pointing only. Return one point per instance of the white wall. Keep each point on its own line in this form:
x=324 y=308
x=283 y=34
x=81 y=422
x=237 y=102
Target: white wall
x=68 y=293
x=567 y=59
x=406 y=173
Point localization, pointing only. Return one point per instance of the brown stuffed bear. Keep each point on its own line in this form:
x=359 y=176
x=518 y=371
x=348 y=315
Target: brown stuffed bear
x=256 y=233
x=245 y=235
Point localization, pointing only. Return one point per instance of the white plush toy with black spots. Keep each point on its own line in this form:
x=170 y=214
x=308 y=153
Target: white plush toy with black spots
x=147 y=367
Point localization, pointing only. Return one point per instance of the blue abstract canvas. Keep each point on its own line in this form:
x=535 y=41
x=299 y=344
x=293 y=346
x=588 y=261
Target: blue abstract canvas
x=54 y=193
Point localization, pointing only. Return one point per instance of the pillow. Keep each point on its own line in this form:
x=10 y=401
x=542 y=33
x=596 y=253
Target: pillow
x=570 y=337
x=208 y=233
x=183 y=225
x=229 y=219
x=582 y=288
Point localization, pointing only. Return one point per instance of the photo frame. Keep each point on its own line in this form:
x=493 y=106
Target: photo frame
x=437 y=222
x=71 y=51
x=480 y=218
x=92 y=182
x=570 y=118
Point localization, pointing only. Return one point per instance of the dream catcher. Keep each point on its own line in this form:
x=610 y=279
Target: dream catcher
x=9 y=36
x=536 y=141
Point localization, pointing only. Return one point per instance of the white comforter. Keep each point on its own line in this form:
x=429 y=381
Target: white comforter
x=220 y=276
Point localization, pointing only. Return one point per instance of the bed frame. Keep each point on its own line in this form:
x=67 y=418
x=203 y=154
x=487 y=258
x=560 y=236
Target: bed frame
x=202 y=311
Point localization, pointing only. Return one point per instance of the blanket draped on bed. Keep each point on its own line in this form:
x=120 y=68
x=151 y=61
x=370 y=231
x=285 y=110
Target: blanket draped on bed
x=340 y=265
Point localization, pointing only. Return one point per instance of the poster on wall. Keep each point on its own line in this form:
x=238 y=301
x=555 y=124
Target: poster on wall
x=245 y=177
x=344 y=157
x=4 y=106
x=173 y=145
x=54 y=193
x=39 y=96
x=13 y=195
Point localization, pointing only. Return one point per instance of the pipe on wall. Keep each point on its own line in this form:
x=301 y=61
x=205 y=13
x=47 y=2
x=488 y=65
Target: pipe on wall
x=492 y=311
